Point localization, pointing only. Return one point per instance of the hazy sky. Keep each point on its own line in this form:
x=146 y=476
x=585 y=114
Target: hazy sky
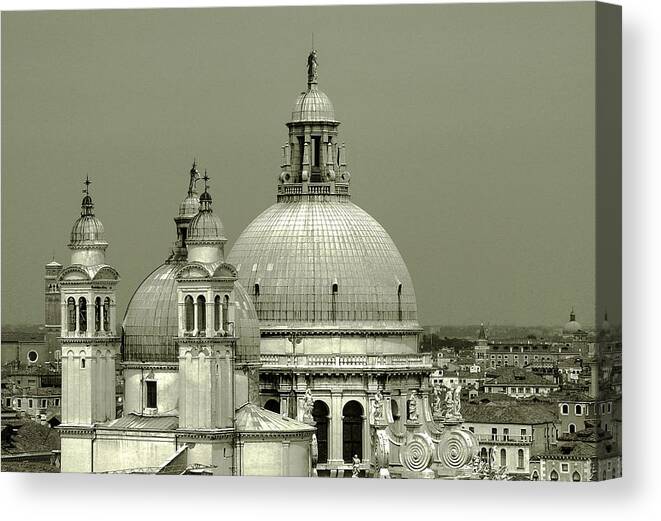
x=470 y=134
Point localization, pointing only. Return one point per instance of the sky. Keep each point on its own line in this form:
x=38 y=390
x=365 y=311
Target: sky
x=470 y=133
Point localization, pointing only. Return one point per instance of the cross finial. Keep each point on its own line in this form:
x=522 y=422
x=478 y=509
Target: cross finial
x=206 y=180
x=87 y=184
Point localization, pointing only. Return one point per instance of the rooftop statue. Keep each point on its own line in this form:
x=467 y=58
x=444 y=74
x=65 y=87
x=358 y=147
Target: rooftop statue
x=194 y=178
x=312 y=67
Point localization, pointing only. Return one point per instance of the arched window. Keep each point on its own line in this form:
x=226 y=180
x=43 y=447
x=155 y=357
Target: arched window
x=565 y=408
x=503 y=458
x=272 y=405
x=82 y=363
x=106 y=314
x=572 y=428
x=189 y=312
x=576 y=476
x=394 y=409
x=201 y=313
x=82 y=312
x=603 y=476
x=97 y=314
x=578 y=409
x=554 y=475
x=352 y=431
x=399 y=301
x=216 y=313
x=320 y=413
x=334 y=289
x=483 y=454
x=71 y=308
x=520 y=459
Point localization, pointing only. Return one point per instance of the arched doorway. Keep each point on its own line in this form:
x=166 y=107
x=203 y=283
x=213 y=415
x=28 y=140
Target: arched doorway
x=272 y=405
x=320 y=414
x=352 y=431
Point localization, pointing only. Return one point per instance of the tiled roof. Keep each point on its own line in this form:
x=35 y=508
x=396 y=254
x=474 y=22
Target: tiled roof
x=513 y=412
x=515 y=376
x=32 y=437
x=251 y=418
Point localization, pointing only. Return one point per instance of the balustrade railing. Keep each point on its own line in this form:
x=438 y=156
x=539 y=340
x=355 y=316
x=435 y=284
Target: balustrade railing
x=504 y=438
x=345 y=361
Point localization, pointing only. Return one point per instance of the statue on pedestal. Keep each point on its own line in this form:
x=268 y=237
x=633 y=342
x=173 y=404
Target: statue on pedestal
x=308 y=405
x=412 y=406
x=378 y=406
x=355 y=466
x=437 y=406
x=456 y=406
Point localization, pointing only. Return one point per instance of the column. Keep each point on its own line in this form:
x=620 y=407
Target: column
x=182 y=318
x=101 y=315
x=195 y=306
x=209 y=304
x=335 y=439
x=113 y=317
x=76 y=308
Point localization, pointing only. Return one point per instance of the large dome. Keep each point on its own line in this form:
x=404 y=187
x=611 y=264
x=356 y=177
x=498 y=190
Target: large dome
x=151 y=323
x=324 y=264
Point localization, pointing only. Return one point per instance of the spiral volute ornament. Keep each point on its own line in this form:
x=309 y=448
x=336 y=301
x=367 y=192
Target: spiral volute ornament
x=457 y=448
x=417 y=454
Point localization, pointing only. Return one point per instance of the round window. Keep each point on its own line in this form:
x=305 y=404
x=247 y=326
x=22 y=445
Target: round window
x=33 y=356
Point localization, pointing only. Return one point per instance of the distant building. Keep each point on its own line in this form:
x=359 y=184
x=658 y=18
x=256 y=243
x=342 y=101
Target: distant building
x=517 y=383
x=512 y=432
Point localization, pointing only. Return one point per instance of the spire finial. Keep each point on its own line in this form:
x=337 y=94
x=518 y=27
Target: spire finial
x=206 y=180
x=87 y=182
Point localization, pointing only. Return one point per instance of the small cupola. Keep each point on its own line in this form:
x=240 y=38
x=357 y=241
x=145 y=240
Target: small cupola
x=206 y=233
x=88 y=242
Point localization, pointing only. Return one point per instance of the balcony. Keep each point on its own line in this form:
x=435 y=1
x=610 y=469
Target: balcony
x=504 y=438
x=346 y=362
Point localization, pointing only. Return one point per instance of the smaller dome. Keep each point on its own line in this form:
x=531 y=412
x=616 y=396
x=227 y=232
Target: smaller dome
x=87 y=231
x=189 y=206
x=205 y=197
x=313 y=105
x=572 y=327
x=206 y=226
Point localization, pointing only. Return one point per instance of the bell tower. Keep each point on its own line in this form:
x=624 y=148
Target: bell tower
x=206 y=337
x=88 y=338
x=52 y=307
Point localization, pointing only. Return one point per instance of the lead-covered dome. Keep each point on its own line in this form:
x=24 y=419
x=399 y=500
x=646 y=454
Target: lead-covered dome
x=572 y=326
x=87 y=230
x=206 y=225
x=324 y=264
x=313 y=106
x=151 y=321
